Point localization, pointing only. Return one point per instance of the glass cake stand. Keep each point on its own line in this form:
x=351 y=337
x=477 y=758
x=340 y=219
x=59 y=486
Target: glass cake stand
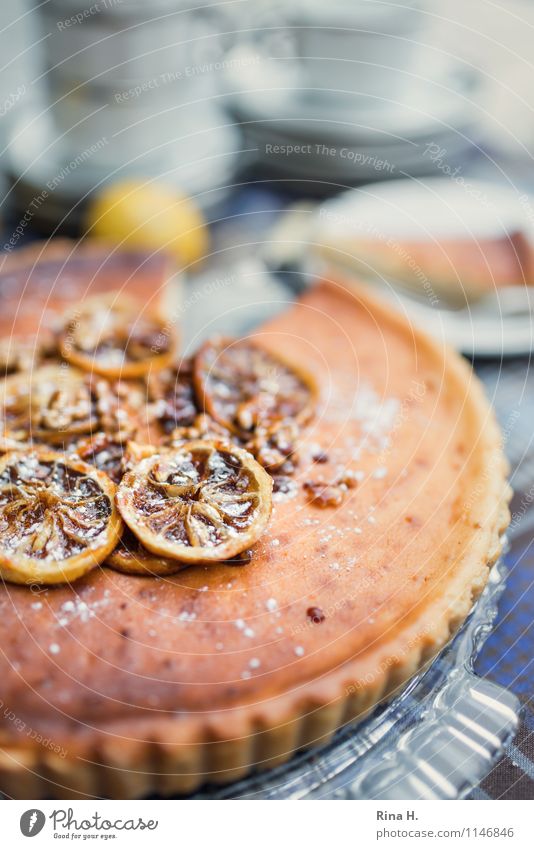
x=436 y=740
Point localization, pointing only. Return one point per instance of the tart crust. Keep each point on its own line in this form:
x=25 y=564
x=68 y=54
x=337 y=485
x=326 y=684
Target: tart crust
x=165 y=752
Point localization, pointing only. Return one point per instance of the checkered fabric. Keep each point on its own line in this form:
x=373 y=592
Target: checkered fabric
x=507 y=656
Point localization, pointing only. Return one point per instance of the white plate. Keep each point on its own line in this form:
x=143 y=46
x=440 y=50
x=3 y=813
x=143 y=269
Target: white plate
x=439 y=208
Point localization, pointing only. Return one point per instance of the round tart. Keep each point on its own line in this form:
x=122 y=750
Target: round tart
x=155 y=685
x=109 y=336
x=245 y=387
x=57 y=518
x=202 y=502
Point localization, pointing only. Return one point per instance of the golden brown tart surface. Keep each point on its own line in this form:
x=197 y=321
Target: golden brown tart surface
x=154 y=684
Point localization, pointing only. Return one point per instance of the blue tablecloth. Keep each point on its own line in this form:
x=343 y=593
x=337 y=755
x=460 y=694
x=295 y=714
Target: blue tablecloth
x=507 y=657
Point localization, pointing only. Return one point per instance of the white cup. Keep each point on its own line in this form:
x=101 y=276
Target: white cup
x=359 y=46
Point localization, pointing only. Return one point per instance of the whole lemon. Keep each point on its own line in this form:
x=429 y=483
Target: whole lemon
x=150 y=216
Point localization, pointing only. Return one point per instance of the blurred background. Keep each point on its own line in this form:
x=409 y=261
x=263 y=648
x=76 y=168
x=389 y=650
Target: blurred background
x=273 y=142
x=250 y=105
x=233 y=131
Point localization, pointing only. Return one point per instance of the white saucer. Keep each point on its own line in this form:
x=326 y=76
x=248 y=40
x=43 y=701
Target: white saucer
x=272 y=89
x=342 y=135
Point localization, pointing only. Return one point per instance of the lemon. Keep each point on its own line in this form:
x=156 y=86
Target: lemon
x=150 y=216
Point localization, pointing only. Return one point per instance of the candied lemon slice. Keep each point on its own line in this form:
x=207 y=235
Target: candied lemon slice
x=203 y=427
x=245 y=388
x=120 y=405
x=56 y=404
x=58 y=519
x=22 y=353
x=133 y=558
x=52 y=404
x=104 y=451
x=114 y=337
x=202 y=502
x=172 y=399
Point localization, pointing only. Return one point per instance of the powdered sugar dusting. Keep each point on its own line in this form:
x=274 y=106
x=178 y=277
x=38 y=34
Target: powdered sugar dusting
x=79 y=610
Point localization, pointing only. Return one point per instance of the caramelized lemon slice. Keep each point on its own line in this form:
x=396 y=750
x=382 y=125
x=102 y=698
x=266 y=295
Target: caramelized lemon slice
x=52 y=404
x=110 y=336
x=57 y=404
x=133 y=558
x=58 y=519
x=19 y=354
x=172 y=399
x=104 y=451
x=246 y=388
x=202 y=502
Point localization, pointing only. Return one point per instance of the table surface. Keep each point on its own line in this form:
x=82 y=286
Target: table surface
x=507 y=657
